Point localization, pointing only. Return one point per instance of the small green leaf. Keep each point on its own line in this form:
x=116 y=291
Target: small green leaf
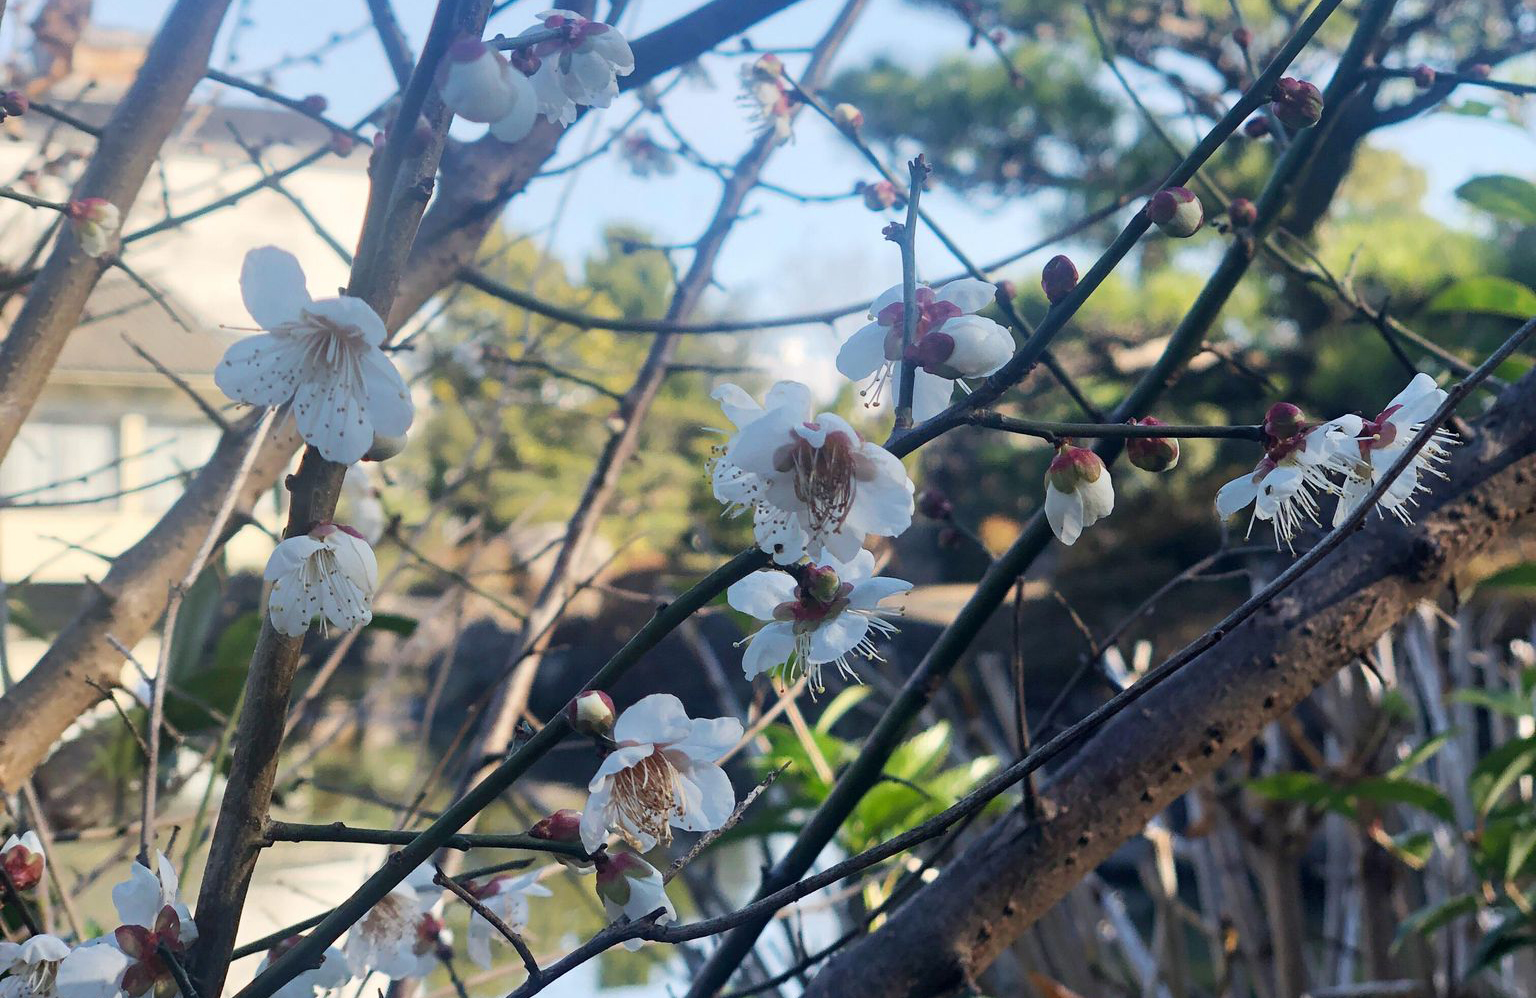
x=840 y=705
x=1517 y=577
x=1304 y=787
x=1413 y=848
x=1509 y=198
x=1498 y=770
x=1487 y=295
x=1521 y=845
x=1503 y=702
x=394 y=623
x=1420 y=755
x=1414 y=793
x=1432 y=917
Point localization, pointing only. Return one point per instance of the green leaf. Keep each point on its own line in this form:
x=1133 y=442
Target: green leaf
x=1518 y=577
x=1509 y=198
x=1498 y=770
x=1414 y=793
x=1503 y=702
x=1304 y=787
x=1521 y=845
x=1413 y=848
x=1471 y=108
x=1420 y=755
x=1487 y=295
x=840 y=705
x=394 y=623
x=1435 y=916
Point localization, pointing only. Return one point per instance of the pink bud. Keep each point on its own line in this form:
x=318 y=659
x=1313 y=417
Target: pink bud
x=1154 y=454
x=1242 y=213
x=934 y=504
x=342 y=144
x=14 y=102
x=1073 y=466
x=592 y=713
x=849 y=117
x=1423 y=76
x=1177 y=211
x=562 y=826
x=1283 y=421
x=1297 y=103
x=1243 y=37
x=24 y=866
x=1057 y=278
x=879 y=196
x=316 y=104
x=1479 y=71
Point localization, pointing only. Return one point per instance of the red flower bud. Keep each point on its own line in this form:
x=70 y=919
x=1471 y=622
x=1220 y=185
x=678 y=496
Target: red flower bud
x=934 y=504
x=1297 y=103
x=1177 y=211
x=316 y=104
x=342 y=144
x=592 y=713
x=14 y=102
x=1423 y=76
x=1243 y=37
x=1156 y=454
x=878 y=196
x=1284 y=421
x=1480 y=71
x=1057 y=278
x=1241 y=213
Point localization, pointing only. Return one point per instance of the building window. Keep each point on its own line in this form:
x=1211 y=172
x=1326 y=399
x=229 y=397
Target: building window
x=63 y=462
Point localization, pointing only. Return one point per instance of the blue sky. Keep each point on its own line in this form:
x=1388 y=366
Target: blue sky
x=785 y=256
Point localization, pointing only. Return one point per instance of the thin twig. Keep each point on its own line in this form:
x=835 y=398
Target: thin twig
x=510 y=934
x=709 y=837
x=906 y=238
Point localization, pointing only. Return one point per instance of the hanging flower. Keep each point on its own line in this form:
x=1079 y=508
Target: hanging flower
x=811 y=481
x=324 y=355
x=644 y=156
x=1284 y=486
x=129 y=960
x=818 y=613
x=478 y=84
x=96 y=222
x=768 y=97
x=330 y=571
x=365 y=510
x=584 y=62
x=507 y=899
x=631 y=888
x=1078 y=492
x=661 y=775
x=32 y=966
x=399 y=936
x=22 y=857
x=1381 y=441
x=317 y=982
x=949 y=343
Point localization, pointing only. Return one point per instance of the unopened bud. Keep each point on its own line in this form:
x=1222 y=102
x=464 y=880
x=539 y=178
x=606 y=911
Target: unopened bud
x=342 y=144
x=1423 y=76
x=1005 y=292
x=14 y=102
x=1057 y=278
x=1297 y=103
x=23 y=860
x=1256 y=128
x=1479 y=71
x=615 y=871
x=934 y=504
x=768 y=66
x=563 y=826
x=1241 y=213
x=592 y=713
x=1283 y=421
x=1243 y=37
x=879 y=196
x=385 y=447
x=1177 y=211
x=849 y=117
x=1152 y=453
x=315 y=104
x=820 y=583
x=1073 y=466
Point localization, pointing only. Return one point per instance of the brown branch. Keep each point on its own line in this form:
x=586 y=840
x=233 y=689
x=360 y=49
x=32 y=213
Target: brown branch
x=129 y=144
x=510 y=934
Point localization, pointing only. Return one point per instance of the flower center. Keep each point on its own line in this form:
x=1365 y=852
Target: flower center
x=826 y=478
x=646 y=796
x=931 y=314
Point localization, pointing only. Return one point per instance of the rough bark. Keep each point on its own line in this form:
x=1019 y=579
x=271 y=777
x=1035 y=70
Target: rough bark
x=953 y=928
x=129 y=143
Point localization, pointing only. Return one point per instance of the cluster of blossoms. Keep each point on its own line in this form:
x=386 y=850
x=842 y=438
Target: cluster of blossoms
x=550 y=74
x=1346 y=457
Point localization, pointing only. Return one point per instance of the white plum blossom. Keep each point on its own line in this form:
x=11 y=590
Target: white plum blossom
x=399 y=936
x=32 y=966
x=819 y=613
x=768 y=97
x=322 y=354
x=365 y=511
x=810 y=480
x=22 y=857
x=1379 y=442
x=1285 y=485
x=507 y=899
x=330 y=571
x=129 y=961
x=1078 y=492
x=631 y=888
x=316 y=982
x=480 y=85
x=580 y=67
x=661 y=775
x=96 y=222
x=950 y=342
